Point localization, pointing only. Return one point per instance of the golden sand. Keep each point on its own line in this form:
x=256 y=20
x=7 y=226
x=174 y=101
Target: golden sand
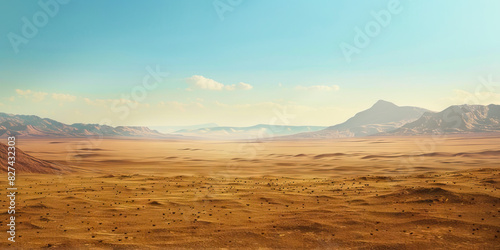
x=373 y=194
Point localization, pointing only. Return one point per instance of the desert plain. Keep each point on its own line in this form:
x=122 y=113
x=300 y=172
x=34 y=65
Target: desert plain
x=360 y=193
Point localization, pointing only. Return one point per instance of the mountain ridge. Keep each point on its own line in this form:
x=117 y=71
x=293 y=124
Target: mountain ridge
x=383 y=116
x=35 y=126
x=382 y=119
x=456 y=119
x=258 y=131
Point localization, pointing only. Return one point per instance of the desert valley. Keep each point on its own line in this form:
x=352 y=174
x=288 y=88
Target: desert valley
x=233 y=124
x=390 y=177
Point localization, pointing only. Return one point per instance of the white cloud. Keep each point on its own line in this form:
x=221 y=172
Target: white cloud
x=88 y=101
x=244 y=86
x=23 y=92
x=38 y=96
x=319 y=88
x=241 y=85
x=63 y=97
x=34 y=96
x=201 y=82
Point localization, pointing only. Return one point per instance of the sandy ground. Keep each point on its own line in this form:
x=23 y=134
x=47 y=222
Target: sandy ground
x=375 y=193
x=334 y=158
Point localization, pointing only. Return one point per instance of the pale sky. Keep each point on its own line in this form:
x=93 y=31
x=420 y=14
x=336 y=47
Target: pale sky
x=277 y=61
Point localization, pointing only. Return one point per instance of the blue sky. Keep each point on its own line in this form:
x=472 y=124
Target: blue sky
x=261 y=57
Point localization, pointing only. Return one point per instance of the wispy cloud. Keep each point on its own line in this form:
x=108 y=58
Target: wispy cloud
x=63 y=97
x=35 y=96
x=319 y=88
x=201 y=82
x=38 y=96
x=241 y=85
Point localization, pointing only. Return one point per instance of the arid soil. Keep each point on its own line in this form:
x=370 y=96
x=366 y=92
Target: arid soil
x=375 y=193
x=322 y=158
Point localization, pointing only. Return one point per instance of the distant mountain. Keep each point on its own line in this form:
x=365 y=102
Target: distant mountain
x=34 y=126
x=171 y=129
x=26 y=163
x=455 y=119
x=381 y=117
x=252 y=132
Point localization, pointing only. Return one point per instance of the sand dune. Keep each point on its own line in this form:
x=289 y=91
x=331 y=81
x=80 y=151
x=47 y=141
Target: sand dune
x=344 y=194
x=142 y=211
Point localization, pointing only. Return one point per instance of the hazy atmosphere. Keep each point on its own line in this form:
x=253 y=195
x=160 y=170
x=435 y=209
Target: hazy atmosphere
x=232 y=65
x=250 y=124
